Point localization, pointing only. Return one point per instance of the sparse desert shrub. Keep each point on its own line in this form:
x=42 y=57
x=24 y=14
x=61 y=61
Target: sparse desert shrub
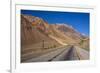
x=81 y=42
x=54 y=46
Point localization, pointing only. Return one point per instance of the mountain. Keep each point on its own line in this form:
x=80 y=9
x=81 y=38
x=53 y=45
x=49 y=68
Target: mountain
x=37 y=35
x=33 y=30
x=38 y=27
x=69 y=31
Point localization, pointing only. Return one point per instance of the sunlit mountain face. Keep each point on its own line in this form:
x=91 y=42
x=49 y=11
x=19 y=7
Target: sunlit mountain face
x=78 y=20
x=38 y=36
x=54 y=36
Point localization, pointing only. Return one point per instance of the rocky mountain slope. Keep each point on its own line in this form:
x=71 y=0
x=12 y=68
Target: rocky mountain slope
x=37 y=34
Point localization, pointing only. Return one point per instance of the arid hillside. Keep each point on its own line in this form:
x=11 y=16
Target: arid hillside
x=38 y=36
x=33 y=32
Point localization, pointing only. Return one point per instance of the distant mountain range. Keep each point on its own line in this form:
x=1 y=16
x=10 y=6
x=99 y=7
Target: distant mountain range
x=35 y=30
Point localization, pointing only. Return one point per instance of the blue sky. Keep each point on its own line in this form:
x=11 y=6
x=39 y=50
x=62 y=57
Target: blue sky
x=79 y=21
